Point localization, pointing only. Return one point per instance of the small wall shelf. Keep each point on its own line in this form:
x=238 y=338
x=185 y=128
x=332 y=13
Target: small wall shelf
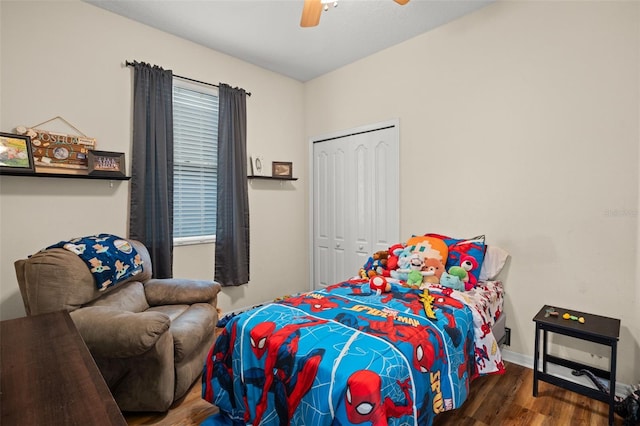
x=62 y=175
x=271 y=177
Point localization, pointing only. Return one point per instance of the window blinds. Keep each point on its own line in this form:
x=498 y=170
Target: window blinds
x=195 y=133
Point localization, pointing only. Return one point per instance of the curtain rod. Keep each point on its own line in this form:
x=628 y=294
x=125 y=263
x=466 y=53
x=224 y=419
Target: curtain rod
x=130 y=64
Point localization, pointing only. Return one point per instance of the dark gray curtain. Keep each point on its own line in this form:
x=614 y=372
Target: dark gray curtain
x=151 y=208
x=232 y=222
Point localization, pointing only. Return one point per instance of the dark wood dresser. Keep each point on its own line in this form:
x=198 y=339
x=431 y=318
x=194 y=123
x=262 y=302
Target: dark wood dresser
x=48 y=376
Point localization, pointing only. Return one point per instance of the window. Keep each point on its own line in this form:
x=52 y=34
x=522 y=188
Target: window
x=195 y=151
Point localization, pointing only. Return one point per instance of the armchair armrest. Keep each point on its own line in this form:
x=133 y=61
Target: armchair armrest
x=173 y=291
x=112 y=333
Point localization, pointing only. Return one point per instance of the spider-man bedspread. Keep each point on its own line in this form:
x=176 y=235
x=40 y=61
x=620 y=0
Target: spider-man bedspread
x=346 y=355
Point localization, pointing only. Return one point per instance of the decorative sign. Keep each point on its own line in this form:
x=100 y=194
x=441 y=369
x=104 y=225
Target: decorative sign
x=58 y=150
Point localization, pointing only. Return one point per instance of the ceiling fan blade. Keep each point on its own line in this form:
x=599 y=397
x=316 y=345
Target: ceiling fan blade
x=401 y=2
x=311 y=13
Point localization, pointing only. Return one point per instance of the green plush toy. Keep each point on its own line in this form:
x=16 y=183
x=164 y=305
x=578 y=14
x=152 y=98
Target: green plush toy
x=451 y=281
x=458 y=271
x=414 y=279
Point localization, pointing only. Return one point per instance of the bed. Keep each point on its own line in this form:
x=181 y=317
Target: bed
x=351 y=354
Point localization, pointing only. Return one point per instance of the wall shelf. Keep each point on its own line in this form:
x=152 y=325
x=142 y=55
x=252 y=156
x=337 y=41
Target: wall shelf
x=62 y=175
x=271 y=177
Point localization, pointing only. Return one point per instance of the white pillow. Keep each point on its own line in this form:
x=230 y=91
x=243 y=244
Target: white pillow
x=494 y=260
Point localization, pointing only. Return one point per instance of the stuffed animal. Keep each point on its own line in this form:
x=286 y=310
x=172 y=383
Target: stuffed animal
x=392 y=260
x=380 y=262
x=375 y=265
x=366 y=268
x=414 y=278
x=416 y=261
x=379 y=268
x=371 y=268
x=400 y=276
x=379 y=285
x=460 y=272
x=414 y=270
x=469 y=264
x=402 y=271
x=434 y=268
x=413 y=263
x=381 y=255
x=451 y=281
x=429 y=246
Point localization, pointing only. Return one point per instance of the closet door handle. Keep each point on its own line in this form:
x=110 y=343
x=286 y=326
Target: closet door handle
x=337 y=245
x=360 y=247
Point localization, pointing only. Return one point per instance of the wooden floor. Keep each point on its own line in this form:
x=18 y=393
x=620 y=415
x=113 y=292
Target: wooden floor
x=493 y=400
x=508 y=400
x=191 y=410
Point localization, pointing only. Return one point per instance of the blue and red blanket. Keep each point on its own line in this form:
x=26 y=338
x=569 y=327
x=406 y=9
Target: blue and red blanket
x=344 y=355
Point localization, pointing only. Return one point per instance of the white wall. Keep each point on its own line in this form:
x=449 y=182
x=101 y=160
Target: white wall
x=521 y=122
x=66 y=58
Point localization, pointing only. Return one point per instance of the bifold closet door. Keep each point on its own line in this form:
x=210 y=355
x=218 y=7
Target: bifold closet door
x=330 y=208
x=355 y=202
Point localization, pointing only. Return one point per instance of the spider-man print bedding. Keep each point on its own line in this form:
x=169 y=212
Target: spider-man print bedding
x=347 y=355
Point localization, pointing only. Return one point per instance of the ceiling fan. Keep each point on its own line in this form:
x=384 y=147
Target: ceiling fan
x=313 y=9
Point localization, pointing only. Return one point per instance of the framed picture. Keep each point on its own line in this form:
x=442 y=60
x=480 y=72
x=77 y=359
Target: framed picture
x=105 y=163
x=258 y=166
x=16 y=154
x=282 y=169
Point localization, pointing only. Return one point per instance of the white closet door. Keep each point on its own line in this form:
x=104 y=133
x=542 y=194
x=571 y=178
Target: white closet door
x=361 y=188
x=355 y=202
x=329 y=230
x=385 y=191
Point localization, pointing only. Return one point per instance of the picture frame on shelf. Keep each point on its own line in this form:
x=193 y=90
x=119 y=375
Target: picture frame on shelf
x=106 y=163
x=259 y=166
x=282 y=169
x=16 y=155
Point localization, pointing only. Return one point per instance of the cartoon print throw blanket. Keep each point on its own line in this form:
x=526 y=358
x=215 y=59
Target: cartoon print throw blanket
x=110 y=259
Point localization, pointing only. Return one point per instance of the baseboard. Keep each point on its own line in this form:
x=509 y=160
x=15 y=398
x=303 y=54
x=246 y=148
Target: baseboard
x=622 y=389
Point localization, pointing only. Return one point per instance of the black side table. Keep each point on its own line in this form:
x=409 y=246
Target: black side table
x=598 y=329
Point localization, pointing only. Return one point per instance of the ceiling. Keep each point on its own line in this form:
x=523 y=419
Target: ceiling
x=267 y=33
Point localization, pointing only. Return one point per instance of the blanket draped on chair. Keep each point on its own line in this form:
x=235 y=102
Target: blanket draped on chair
x=110 y=259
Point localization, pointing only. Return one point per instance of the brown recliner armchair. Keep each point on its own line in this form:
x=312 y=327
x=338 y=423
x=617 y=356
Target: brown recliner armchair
x=149 y=337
